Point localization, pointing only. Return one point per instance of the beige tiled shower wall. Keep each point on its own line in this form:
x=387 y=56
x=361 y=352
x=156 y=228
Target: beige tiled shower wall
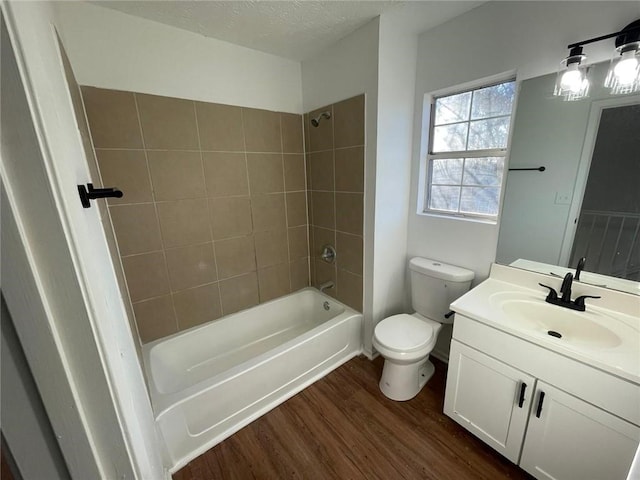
x=213 y=218
x=335 y=180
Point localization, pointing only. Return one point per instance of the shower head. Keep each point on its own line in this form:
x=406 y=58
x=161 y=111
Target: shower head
x=316 y=121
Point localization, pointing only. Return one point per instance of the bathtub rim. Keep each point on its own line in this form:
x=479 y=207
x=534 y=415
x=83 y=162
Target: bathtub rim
x=162 y=402
x=149 y=345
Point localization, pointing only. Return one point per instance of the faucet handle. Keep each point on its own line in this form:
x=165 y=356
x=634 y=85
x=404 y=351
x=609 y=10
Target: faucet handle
x=328 y=253
x=579 y=302
x=553 y=295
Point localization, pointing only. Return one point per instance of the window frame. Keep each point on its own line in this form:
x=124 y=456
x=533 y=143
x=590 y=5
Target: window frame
x=467 y=154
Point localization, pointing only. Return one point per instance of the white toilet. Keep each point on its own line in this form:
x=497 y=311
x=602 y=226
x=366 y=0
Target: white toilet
x=404 y=340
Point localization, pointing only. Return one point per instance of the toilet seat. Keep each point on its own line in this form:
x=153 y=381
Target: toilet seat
x=405 y=333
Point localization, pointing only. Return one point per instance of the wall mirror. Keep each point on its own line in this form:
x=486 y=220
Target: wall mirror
x=586 y=202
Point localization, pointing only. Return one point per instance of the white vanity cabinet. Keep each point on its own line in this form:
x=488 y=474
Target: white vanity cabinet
x=555 y=417
x=569 y=438
x=489 y=398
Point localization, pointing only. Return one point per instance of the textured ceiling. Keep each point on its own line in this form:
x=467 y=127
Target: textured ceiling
x=293 y=29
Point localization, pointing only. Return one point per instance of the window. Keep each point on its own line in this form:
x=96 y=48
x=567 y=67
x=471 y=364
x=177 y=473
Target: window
x=468 y=139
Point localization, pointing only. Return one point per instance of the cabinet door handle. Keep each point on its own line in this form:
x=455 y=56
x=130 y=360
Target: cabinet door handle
x=540 y=400
x=523 y=387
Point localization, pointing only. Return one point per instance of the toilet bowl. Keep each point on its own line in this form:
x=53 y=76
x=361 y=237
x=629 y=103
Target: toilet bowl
x=406 y=340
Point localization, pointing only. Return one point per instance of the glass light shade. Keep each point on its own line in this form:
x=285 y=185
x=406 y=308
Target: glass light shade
x=572 y=82
x=624 y=71
x=571 y=79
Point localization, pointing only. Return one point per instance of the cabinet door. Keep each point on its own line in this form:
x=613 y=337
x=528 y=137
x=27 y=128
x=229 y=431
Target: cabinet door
x=568 y=438
x=488 y=398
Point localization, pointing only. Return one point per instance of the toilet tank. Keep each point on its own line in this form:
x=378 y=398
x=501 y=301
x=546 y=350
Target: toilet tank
x=434 y=285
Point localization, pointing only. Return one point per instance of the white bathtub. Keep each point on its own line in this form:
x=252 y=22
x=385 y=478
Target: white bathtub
x=210 y=381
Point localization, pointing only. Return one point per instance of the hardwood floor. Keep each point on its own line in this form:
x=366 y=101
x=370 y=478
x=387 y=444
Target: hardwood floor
x=342 y=427
x=5 y=469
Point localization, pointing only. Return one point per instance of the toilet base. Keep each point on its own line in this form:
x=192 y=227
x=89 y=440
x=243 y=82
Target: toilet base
x=402 y=382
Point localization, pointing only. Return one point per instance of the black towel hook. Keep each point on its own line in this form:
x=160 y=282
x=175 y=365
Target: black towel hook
x=89 y=193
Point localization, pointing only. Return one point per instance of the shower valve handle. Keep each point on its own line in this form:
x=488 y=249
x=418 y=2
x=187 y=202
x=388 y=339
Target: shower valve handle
x=328 y=254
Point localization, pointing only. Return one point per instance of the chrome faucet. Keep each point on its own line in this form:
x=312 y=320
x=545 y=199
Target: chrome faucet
x=579 y=268
x=325 y=286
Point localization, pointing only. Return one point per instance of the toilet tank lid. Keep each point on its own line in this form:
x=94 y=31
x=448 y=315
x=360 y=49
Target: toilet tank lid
x=436 y=269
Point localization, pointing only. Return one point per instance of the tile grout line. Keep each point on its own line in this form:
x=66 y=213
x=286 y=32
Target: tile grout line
x=338 y=231
x=339 y=191
x=335 y=206
x=215 y=282
x=198 y=244
x=307 y=197
x=118 y=205
x=168 y=249
x=155 y=208
x=246 y=169
x=309 y=187
x=286 y=203
x=335 y=148
x=270 y=152
x=154 y=297
x=206 y=192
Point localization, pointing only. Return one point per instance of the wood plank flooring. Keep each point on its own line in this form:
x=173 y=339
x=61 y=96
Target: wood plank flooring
x=5 y=470
x=342 y=427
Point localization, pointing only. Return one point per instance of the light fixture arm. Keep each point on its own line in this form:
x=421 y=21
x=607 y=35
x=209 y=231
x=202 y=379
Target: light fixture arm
x=623 y=77
x=633 y=29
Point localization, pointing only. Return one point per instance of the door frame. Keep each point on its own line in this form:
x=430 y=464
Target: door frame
x=71 y=320
x=595 y=112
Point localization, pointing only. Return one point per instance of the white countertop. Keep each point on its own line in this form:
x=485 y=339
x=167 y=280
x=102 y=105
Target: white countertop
x=622 y=359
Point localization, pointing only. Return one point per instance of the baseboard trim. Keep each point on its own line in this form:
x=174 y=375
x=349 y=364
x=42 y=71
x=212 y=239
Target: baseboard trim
x=441 y=356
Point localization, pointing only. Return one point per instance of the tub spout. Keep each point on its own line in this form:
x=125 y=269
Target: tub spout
x=325 y=286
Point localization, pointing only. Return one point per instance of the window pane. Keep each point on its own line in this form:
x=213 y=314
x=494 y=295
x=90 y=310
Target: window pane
x=492 y=133
x=450 y=138
x=454 y=108
x=482 y=200
x=483 y=171
x=446 y=171
x=493 y=101
x=444 y=198
x=473 y=122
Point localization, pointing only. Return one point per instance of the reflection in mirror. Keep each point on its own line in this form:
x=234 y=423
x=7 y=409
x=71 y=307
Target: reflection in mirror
x=609 y=218
x=543 y=212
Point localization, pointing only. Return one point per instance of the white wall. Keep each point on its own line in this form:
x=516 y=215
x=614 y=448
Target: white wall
x=398 y=51
x=347 y=68
x=497 y=37
x=110 y=49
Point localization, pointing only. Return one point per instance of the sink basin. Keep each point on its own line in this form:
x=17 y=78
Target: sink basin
x=569 y=326
x=591 y=329
x=605 y=336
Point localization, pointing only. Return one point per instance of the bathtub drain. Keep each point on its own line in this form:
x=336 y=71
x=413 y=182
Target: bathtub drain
x=326 y=305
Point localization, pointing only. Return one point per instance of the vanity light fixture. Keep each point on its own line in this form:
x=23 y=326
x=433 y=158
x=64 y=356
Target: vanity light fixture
x=572 y=82
x=624 y=72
